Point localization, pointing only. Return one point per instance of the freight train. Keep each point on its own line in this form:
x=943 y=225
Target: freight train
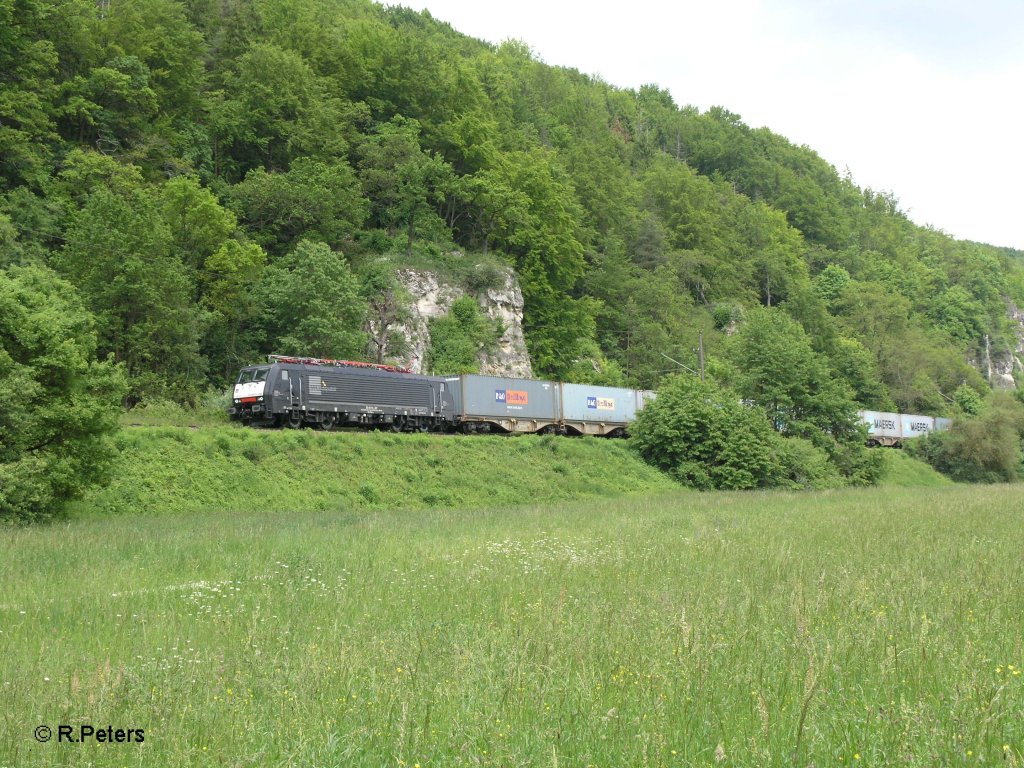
x=327 y=394
x=296 y=392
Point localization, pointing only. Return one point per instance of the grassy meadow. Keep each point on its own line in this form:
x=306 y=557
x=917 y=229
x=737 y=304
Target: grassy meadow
x=857 y=627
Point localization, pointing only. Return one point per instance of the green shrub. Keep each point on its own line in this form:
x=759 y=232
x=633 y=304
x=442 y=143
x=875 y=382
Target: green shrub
x=484 y=277
x=458 y=337
x=980 y=449
x=806 y=466
x=702 y=435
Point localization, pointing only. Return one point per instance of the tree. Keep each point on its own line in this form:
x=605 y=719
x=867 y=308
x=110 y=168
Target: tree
x=550 y=261
x=404 y=183
x=778 y=370
x=228 y=279
x=28 y=62
x=314 y=200
x=312 y=306
x=388 y=303
x=112 y=106
x=492 y=206
x=831 y=282
x=257 y=120
x=58 y=403
x=985 y=448
x=198 y=224
x=854 y=363
x=119 y=255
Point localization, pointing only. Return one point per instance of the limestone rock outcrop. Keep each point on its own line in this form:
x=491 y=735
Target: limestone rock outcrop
x=431 y=296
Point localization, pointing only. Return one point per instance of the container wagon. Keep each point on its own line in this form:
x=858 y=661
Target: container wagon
x=893 y=429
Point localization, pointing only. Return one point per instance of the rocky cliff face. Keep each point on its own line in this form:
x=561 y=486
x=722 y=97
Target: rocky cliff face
x=1006 y=370
x=431 y=297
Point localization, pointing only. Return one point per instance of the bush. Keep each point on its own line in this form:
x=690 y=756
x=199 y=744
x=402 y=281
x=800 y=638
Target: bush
x=980 y=449
x=485 y=277
x=806 y=466
x=58 y=404
x=703 y=436
x=456 y=339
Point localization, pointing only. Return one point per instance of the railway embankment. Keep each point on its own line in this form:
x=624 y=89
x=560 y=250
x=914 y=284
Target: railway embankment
x=181 y=470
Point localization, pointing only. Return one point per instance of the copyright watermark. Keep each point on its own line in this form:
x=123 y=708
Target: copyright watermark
x=84 y=734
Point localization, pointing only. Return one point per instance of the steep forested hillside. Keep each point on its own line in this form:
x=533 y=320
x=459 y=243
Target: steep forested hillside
x=220 y=180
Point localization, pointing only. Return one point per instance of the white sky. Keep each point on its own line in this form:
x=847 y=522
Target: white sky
x=922 y=98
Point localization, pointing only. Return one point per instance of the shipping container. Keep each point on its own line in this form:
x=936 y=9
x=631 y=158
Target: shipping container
x=883 y=428
x=593 y=410
x=916 y=426
x=511 y=405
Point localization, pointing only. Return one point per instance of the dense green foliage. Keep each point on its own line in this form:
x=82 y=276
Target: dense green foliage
x=852 y=627
x=783 y=417
x=171 y=157
x=457 y=339
x=58 y=404
x=702 y=435
x=984 y=446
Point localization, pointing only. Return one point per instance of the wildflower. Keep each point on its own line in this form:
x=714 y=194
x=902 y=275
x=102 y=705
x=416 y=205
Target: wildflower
x=856 y=755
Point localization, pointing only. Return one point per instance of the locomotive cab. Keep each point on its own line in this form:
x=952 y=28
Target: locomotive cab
x=249 y=397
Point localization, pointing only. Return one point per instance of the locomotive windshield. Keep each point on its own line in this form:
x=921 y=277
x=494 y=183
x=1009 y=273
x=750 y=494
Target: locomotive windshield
x=253 y=374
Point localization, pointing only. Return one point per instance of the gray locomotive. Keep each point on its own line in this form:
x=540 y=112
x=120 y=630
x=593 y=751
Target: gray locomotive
x=296 y=392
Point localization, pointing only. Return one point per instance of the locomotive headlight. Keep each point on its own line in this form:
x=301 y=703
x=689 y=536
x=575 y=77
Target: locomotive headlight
x=259 y=399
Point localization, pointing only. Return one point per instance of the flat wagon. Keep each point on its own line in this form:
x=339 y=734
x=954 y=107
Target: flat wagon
x=493 y=403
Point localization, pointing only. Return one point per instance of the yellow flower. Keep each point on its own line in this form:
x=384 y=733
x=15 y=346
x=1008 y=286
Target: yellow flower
x=856 y=755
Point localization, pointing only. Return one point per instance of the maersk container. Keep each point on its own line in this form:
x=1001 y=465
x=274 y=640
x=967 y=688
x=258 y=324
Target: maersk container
x=513 y=405
x=881 y=424
x=592 y=410
x=916 y=426
x=883 y=428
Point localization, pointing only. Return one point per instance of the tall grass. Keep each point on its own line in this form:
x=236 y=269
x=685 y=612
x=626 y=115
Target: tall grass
x=855 y=627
